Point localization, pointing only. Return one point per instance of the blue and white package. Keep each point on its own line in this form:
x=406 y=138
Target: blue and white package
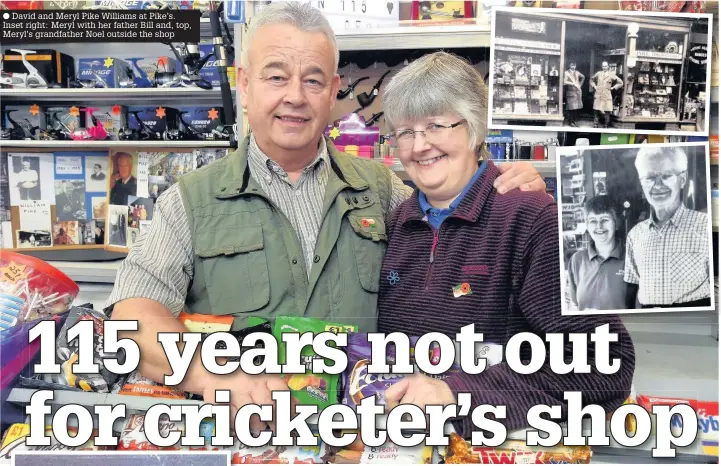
x=209 y=71
x=106 y=72
x=126 y=4
x=201 y=120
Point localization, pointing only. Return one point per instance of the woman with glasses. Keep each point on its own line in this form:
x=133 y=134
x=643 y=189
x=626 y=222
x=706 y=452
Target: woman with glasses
x=459 y=253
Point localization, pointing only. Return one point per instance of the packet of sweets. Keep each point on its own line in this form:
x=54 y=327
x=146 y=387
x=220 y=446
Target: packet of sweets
x=316 y=389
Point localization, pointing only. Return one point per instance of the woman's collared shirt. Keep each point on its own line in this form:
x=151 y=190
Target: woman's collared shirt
x=435 y=215
x=595 y=282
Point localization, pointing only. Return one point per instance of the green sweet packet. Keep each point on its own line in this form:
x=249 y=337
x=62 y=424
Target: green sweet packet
x=317 y=389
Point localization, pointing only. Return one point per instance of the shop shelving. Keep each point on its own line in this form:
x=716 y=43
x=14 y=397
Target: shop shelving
x=139 y=96
x=542 y=166
x=411 y=37
x=72 y=145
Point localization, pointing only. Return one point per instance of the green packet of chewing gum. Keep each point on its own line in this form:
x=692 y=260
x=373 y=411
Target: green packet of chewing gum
x=311 y=389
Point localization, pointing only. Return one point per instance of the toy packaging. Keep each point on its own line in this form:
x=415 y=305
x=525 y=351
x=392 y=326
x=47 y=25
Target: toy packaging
x=54 y=67
x=318 y=389
x=113 y=119
x=105 y=72
x=29 y=117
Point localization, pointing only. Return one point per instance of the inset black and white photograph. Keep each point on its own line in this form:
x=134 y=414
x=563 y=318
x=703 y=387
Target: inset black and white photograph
x=70 y=200
x=31 y=177
x=635 y=226
x=600 y=71
x=87 y=231
x=4 y=190
x=117 y=225
x=33 y=239
x=96 y=174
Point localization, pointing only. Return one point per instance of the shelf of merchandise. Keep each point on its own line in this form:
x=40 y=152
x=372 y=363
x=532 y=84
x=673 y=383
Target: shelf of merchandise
x=412 y=37
x=70 y=145
x=529 y=116
x=139 y=96
x=542 y=166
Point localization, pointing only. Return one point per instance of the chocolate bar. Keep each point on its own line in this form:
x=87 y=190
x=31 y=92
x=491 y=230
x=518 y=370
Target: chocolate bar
x=460 y=451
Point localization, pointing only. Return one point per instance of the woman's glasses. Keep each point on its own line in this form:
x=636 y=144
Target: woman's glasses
x=434 y=133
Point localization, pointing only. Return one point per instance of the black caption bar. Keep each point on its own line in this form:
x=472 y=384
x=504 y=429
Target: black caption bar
x=42 y=26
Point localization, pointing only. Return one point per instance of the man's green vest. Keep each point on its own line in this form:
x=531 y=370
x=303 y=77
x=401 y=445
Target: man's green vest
x=249 y=261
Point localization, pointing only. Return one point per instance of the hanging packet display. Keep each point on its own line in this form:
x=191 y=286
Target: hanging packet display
x=317 y=389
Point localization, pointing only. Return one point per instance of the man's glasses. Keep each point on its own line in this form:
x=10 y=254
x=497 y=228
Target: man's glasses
x=666 y=178
x=434 y=133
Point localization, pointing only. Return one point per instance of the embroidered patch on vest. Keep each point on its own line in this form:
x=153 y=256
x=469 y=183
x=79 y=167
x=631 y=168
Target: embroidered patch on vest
x=393 y=277
x=461 y=290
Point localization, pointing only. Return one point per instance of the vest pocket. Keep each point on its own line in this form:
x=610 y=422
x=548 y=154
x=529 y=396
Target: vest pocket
x=235 y=268
x=369 y=244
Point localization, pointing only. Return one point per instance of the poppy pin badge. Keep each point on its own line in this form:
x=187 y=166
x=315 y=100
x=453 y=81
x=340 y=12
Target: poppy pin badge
x=461 y=290
x=368 y=223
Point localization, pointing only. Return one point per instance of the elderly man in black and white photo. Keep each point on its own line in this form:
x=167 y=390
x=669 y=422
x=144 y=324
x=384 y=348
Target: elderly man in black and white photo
x=667 y=255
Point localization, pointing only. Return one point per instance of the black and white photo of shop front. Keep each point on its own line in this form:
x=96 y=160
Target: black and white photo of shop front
x=600 y=71
x=635 y=227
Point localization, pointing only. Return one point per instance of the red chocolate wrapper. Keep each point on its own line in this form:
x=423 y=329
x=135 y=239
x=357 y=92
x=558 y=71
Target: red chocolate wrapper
x=460 y=451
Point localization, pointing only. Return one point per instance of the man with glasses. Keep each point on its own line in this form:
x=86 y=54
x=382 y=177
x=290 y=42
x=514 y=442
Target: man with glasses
x=667 y=256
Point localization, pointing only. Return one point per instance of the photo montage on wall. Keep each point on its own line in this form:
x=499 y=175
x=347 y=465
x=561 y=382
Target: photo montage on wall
x=635 y=228
x=600 y=71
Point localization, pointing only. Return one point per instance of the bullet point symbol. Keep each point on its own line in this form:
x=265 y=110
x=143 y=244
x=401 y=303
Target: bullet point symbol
x=6 y=16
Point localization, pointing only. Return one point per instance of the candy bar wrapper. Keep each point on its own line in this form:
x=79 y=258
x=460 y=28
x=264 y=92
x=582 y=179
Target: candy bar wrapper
x=459 y=451
x=385 y=454
x=708 y=426
x=14 y=440
x=359 y=384
x=322 y=390
x=630 y=420
x=67 y=352
x=648 y=402
x=138 y=385
x=278 y=455
x=205 y=323
x=133 y=436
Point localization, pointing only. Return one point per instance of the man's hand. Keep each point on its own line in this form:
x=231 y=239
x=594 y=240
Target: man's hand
x=521 y=175
x=419 y=390
x=248 y=389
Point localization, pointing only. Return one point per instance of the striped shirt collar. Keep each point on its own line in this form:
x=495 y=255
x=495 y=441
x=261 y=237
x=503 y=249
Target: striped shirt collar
x=676 y=219
x=617 y=251
x=265 y=167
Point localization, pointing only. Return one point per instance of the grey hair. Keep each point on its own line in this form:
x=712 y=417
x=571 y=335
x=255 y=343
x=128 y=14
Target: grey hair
x=301 y=15
x=436 y=84
x=676 y=154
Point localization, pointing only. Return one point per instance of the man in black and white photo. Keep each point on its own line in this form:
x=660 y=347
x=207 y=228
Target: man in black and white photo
x=98 y=174
x=69 y=200
x=667 y=255
x=27 y=181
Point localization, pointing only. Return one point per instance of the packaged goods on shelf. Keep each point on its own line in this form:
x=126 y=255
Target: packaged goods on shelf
x=460 y=451
x=60 y=118
x=158 y=119
x=357 y=453
x=133 y=436
x=136 y=384
x=67 y=354
x=29 y=117
x=13 y=441
x=210 y=71
x=126 y=4
x=317 y=389
x=31 y=290
x=145 y=70
x=707 y=413
x=113 y=118
x=66 y=5
x=104 y=72
x=278 y=455
x=359 y=384
x=53 y=67
x=201 y=121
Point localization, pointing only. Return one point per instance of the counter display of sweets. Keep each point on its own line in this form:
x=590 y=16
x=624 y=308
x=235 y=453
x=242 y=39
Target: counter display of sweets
x=522 y=150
